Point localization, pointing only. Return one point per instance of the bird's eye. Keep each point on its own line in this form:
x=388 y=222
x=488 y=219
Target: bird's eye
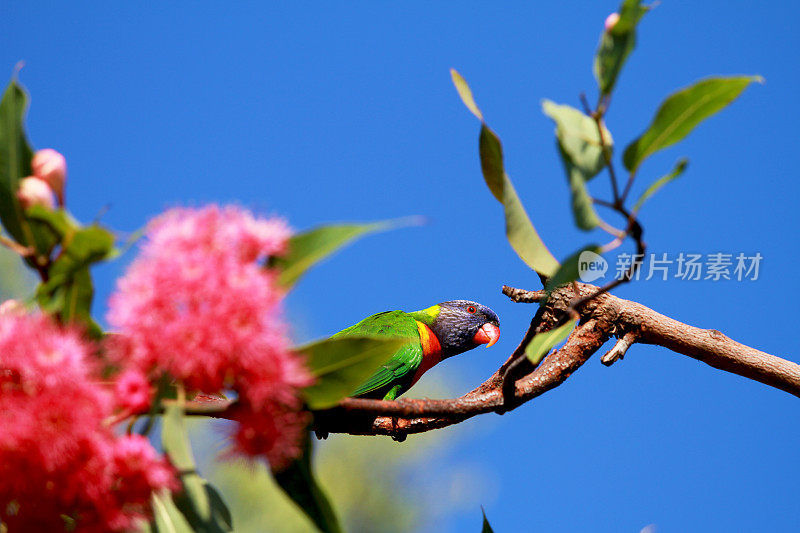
x=471 y=310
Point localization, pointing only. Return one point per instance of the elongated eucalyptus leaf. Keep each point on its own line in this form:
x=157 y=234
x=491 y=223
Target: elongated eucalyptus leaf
x=15 y=161
x=15 y=164
x=681 y=112
x=542 y=343
x=341 y=365
x=175 y=441
x=199 y=503
x=219 y=519
x=299 y=483
x=487 y=528
x=166 y=516
x=519 y=230
x=616 y=45
x=581 y=201
x=308 y=248
x=570 y=268
x=579 y=138
x=465 y=93
x=680 y=166
x=581 y=151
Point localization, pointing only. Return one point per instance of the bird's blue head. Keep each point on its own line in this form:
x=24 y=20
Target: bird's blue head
x=461 y=325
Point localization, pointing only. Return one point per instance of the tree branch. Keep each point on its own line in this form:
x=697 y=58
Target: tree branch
x=360 y=416
x=706 y=345
x=602 y=317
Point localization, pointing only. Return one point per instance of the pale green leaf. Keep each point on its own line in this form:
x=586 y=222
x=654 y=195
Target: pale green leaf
x=465 y=93
x=578 y=137
x=581 y=149
x=542 y=343
x=680 y=166
x=340 y=365
x=166 y=516
x=569 y=269
x=520 y=232
x=581 y=201
x=310 y=247
x=681 y=112
x=616 y=45
x=175 y=441
x=298 y=481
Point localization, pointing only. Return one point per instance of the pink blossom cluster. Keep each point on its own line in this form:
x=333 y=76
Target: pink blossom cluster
x=198 y=305
x=58 y=456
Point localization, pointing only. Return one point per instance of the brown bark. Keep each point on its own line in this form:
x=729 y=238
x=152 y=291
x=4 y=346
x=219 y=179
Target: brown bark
x=602 y=317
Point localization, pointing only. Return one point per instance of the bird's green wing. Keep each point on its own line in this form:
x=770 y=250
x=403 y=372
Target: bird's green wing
x=404 y=362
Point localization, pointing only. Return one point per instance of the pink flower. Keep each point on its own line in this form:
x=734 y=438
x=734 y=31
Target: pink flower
x=611 y=21
x=40 y=354
x=51 y=167
x=198 y=306
x=274 y=431
x=138 y=464
x=58 y=457
x=132 y=391
x=33 y=191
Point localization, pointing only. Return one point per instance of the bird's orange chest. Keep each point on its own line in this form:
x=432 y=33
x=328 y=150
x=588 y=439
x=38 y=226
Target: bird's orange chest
x=431 y=351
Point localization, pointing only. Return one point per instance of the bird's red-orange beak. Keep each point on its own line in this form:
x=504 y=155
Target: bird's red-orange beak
x=488 y=335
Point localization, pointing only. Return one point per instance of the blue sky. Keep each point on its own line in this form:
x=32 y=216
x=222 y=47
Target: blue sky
x=328 y=113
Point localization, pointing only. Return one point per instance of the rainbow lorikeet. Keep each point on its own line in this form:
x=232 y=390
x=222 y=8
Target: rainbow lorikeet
x=435 y=333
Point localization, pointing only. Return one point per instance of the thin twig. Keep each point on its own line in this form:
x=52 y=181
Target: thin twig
x=597 y=116
x=24 y=251
x=619 y=349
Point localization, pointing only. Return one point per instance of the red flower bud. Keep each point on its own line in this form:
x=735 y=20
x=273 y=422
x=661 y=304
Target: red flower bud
x=33 y=191
x=611 y=21
x=50 y=166
x=12 y=307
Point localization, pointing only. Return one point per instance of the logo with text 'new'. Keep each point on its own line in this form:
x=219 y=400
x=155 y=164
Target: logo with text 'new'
x=591 y=266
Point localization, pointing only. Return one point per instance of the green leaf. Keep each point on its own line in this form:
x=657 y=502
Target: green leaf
x=82 y=248
x=15 y=161
x=570 y=268
x=487 y=528
x=616 y=45
x=681 y=112
x=297 y=480
x=465 y=93
x=310 y=247
x=166 y=516
x=581 y=151
x=581 y=201
x=219 y=510
x=519 y=230
x=15 y=164
x=340 y=365
x=199 y=502
x=59 y=221
x=219 y=520
x=78 y=294
x=680 y=166
x=69 y=291
x=578 y=137
x=542 y=343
